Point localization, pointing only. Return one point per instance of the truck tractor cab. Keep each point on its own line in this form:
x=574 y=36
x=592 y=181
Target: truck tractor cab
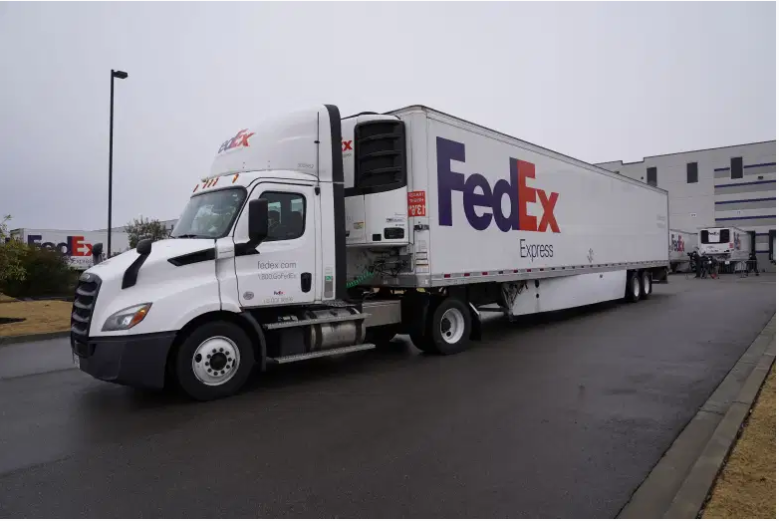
x=255 y=269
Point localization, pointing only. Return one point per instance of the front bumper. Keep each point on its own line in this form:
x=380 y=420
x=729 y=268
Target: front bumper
x=137 y=361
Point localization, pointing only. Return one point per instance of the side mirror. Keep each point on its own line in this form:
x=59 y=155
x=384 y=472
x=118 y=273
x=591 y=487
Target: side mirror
x=258 y=221
x=144 y=247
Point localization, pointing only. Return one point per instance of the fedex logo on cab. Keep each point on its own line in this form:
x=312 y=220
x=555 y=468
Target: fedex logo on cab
x=482 y=203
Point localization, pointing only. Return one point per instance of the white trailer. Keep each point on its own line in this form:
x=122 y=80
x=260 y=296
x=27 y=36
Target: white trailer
x=728 y=244
x=315 y=237
x=680 y=245
x=75 y=245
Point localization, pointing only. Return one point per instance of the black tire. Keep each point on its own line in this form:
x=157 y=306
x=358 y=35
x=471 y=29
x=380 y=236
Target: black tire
x=645 y=278
x=214 y=341
x=449 y=329
x=633 y=288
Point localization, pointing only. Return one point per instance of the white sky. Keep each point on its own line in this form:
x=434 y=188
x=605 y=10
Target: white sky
x=598 y=81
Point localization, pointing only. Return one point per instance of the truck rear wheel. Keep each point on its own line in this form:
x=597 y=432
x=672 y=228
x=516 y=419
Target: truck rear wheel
x=633 y=287
x=449 y=329
x=214 y=361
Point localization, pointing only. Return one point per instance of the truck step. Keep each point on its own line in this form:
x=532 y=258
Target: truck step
x=319 y=354
x=338 y=304
x=312 y=321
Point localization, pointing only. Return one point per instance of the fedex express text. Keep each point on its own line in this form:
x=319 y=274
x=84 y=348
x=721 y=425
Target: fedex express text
x=482 y=202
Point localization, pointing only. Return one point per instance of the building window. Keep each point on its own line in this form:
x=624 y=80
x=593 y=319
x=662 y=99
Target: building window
x=736 y=167
x=692 y=172
x=651 y=176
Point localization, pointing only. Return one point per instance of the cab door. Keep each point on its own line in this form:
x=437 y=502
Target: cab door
x=283 y=270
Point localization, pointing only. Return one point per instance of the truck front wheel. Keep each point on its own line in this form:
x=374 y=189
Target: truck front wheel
x=214 y=361
x=449 y=330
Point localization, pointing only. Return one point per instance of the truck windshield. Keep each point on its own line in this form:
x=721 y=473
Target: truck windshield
x=209 y=215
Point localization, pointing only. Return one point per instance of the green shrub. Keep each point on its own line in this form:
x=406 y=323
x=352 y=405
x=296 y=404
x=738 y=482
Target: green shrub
x=47 y=275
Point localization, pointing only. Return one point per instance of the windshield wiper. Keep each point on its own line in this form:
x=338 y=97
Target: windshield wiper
x=189 y=236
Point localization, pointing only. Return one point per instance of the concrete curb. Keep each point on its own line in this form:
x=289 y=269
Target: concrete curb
x=679 y=484
x=20 y=339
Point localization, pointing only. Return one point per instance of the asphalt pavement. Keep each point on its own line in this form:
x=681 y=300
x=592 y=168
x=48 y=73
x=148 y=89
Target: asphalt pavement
x=561 y=415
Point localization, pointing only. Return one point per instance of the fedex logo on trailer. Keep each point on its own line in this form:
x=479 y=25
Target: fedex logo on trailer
x=491 y=197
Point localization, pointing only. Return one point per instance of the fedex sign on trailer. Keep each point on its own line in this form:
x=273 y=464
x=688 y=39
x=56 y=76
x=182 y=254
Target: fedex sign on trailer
x=489 y=200
x=483 y=202
x=495 y=203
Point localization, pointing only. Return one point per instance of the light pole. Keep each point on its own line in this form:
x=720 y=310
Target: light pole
x=120 y=75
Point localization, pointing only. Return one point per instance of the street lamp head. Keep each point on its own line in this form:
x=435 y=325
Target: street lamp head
x=118 y=74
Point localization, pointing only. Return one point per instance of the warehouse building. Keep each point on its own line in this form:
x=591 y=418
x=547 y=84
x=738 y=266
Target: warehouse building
x=727 y=186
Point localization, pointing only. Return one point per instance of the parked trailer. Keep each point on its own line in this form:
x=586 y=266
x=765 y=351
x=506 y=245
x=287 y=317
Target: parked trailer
x=75 y=245
x=726 y=244
x=316 y=237
x=680 y=245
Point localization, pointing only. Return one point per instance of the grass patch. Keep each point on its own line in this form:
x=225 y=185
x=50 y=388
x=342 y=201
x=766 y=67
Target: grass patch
x=746 y=487
x=42 y=316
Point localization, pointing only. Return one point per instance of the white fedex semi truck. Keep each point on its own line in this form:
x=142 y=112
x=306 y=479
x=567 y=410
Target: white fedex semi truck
x=315 y=236
x=725 y=244
x=680 y=245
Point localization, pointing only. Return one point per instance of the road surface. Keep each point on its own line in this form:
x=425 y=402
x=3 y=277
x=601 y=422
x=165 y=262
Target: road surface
x=561 y=416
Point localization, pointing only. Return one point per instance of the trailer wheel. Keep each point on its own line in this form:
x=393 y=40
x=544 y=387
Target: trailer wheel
x=633 y=288
x=214 y=361
x=449 y=330
x=646 y=284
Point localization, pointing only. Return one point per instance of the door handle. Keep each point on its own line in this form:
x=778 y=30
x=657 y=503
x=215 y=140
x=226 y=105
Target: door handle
x=305 y=282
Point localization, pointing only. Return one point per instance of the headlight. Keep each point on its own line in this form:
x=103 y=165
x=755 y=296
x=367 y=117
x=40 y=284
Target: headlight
x=126 y=318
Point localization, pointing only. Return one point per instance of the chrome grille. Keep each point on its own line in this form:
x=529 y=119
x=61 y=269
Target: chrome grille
x=84 y=304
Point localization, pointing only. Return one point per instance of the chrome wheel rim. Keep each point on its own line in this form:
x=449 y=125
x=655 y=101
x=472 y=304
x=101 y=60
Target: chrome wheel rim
x=636 y=287
x=215 y=361
x=647 y=283
x=452 y=326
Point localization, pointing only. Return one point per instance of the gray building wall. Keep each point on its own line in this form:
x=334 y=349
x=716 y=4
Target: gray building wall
x=717 y=198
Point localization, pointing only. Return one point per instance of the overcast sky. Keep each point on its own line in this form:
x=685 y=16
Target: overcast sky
x=596 y=81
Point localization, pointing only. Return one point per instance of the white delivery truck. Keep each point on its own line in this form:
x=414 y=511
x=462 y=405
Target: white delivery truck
x=680 y=245
x=75 y=245
x=314 y=236
x=725 y=244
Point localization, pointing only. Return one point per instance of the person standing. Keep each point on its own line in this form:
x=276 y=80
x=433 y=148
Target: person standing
x=696 y=263
x=752 y=264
